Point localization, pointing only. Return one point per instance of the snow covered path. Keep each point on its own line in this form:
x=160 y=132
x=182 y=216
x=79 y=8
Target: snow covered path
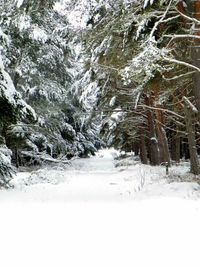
x=96 y=179
x=98 y=216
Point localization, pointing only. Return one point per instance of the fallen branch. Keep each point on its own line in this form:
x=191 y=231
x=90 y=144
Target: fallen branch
x=43 y=157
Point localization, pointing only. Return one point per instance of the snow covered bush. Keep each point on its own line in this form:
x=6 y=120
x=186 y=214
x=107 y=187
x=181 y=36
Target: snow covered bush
x=6 y=170
x=52 y=176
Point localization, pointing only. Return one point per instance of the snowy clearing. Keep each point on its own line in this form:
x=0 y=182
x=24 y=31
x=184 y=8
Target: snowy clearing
x=97 y=215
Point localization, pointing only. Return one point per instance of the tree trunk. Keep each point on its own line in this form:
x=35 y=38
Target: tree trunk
x=190 y=128
x=16 y=158
x=136 y=148
x=185 y=149
x=143 y=149
x=178 y=149
x=161 y=134
x=193 y=10
x=154 y=149
x=173 y=147
x=163 y=144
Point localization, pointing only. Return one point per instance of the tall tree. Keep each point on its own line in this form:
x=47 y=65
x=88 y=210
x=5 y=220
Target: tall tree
x=39 y=58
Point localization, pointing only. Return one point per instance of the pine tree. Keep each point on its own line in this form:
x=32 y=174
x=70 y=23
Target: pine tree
x=12 y=108
x=39 y=57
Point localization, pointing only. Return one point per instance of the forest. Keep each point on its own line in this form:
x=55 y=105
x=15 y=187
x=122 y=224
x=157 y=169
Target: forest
x=77 y=76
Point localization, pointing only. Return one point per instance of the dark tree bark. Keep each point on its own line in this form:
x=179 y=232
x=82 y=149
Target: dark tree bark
x=193 y=10
x=190 y=128
x=143 y=149
x=162 y=138
x=172 y=148
x=16 y=158
x=185 y=149
x=136 y=148
x=159 y=122
x=163 y=144
x=175 y=148
x=178 y=149
x=154 y=149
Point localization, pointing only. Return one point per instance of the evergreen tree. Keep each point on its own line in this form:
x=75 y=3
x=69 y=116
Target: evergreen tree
x=39 y=58
x=12 y=109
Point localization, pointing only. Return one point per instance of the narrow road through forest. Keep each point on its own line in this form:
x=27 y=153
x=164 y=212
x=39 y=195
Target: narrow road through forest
x=92 y=214
x=97 y=179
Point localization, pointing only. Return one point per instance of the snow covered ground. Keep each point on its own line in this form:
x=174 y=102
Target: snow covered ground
x=96 y=179
x=93 y=214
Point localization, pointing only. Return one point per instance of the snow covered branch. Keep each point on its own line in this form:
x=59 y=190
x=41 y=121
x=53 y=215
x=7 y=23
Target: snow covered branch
x=105 y=66
x=178 y=76
x=176 y=36
x=160 y=21
x=170 y=19
x=172 y=60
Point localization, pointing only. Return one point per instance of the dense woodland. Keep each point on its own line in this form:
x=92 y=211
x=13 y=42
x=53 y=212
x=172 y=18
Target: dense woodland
x=128 y=77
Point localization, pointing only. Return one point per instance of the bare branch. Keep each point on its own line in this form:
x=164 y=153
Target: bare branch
x=187 y=17
x=163 y=109
x=174 y=130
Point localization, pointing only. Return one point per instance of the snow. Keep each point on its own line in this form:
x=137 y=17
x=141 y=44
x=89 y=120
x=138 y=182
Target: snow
x=5 y=155
x=190 y=105
x=112 y=101
x=19 y=3
x=89 y=95
x=96 y=214
x=100 y=179
x=139 y=234
x=39 y=34
x=24 y=22
x=8 y=91
x=77 y=17
x=147 y=2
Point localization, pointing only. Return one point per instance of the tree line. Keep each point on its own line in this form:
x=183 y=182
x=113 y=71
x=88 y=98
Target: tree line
x=146 y=57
